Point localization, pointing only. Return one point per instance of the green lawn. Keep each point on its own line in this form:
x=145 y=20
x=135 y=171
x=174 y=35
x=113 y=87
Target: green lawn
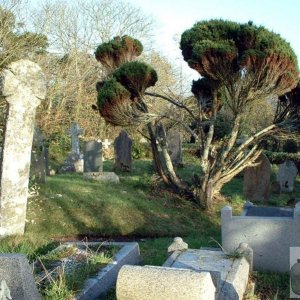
x=138 y=208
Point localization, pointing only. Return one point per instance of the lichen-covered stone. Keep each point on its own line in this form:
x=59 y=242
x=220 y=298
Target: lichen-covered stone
x=23 y=86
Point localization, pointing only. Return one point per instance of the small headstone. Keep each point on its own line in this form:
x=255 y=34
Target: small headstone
x=257 y=180
x=23 y=86
x=17 y=275
x=174 y=146
x=106 y=143
x=287 y=175
x=123 y=157
x=93 y=157
x=73 y=163
x=38 y=157
x=75 y=131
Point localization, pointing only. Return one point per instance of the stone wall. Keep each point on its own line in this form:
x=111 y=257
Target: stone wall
x=269 y=237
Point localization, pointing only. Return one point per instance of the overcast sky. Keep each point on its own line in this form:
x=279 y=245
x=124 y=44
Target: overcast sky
x=175 y=16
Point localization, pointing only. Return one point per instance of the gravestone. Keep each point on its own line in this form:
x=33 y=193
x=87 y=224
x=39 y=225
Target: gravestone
x=75 y=131
x=74 y=161
x=92 y=157
x=123 y=157
x=174 y=146
x=38 y=157
x=23 y=86
x=257 y=180
x=287 y=175
x=16 y=273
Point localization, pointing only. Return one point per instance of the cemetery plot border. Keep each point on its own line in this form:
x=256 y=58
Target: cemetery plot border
x=99 y=284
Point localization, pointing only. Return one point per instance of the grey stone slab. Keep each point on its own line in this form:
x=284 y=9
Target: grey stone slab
x=15 y=270
x=93 y=161
x=257 y=180
x=230 y=275
x=161 y=283
x=260 y=211
x=23 y=86
x=123 y=156
x=270 y=237
x=102 y=176
x=287 y=175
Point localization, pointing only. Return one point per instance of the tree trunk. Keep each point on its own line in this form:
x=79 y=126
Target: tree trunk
x=204 y=195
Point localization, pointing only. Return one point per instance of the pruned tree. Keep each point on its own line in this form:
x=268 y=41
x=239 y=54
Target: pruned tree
x=240 y=66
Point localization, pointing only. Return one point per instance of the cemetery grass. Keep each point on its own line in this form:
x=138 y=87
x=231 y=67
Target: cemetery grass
x=140 y=209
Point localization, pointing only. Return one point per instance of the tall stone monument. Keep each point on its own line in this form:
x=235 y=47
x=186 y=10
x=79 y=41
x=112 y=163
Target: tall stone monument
x=23 y=86
x=74 y=161
x=175 y=146
x=75 y=131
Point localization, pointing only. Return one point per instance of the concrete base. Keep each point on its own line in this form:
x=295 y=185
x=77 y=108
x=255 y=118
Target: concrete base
x=102 y=176
x=230 y=275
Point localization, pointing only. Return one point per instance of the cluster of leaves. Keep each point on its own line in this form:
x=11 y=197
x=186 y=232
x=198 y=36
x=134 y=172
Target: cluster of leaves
x=117 y=51
x=225 y=52
x=120 y=97
x=281 y=157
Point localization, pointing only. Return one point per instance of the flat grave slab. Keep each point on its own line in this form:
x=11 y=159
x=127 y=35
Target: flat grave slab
x=229 y=274
x=261 y=211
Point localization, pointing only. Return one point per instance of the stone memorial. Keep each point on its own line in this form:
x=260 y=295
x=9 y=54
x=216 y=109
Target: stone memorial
x=123 y=157
x=93 y=163
x=23 y=87
x=229 y=273
x=161 y=283
x=175 y=146
x=286 y=176
x=92 y=157
x=74 y=162
x=74 y=132
x=269 y=231
x=17 y=278
x=257 y=180
x=38 y=168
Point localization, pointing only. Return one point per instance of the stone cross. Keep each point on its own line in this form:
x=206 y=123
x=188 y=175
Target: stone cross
x=75 y=131
x=106 y=144
x=23 y=86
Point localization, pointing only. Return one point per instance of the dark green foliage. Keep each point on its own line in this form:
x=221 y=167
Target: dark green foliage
x=201 y=87
x=226 y=37
x=111 y=92
x=136 y=77
x=141 y=151
x=281 y=157
x=117 y=51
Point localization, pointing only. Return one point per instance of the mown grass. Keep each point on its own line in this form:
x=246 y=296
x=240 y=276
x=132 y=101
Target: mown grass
x=138 y=208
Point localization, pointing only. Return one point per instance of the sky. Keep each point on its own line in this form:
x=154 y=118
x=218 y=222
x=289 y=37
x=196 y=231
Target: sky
x=175 y=16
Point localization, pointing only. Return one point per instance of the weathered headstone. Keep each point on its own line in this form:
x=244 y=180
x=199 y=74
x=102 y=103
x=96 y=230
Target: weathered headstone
x=74 y=161
x=257 y=180
x=17 y=275
x=38 y=157
x=175 y=146
x=287 y=175
x=23 y=86
x=93 y=157
x=75 y=131
x=123 y=157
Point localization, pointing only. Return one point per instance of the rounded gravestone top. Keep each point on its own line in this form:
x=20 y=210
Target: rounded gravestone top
x=25 y=77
